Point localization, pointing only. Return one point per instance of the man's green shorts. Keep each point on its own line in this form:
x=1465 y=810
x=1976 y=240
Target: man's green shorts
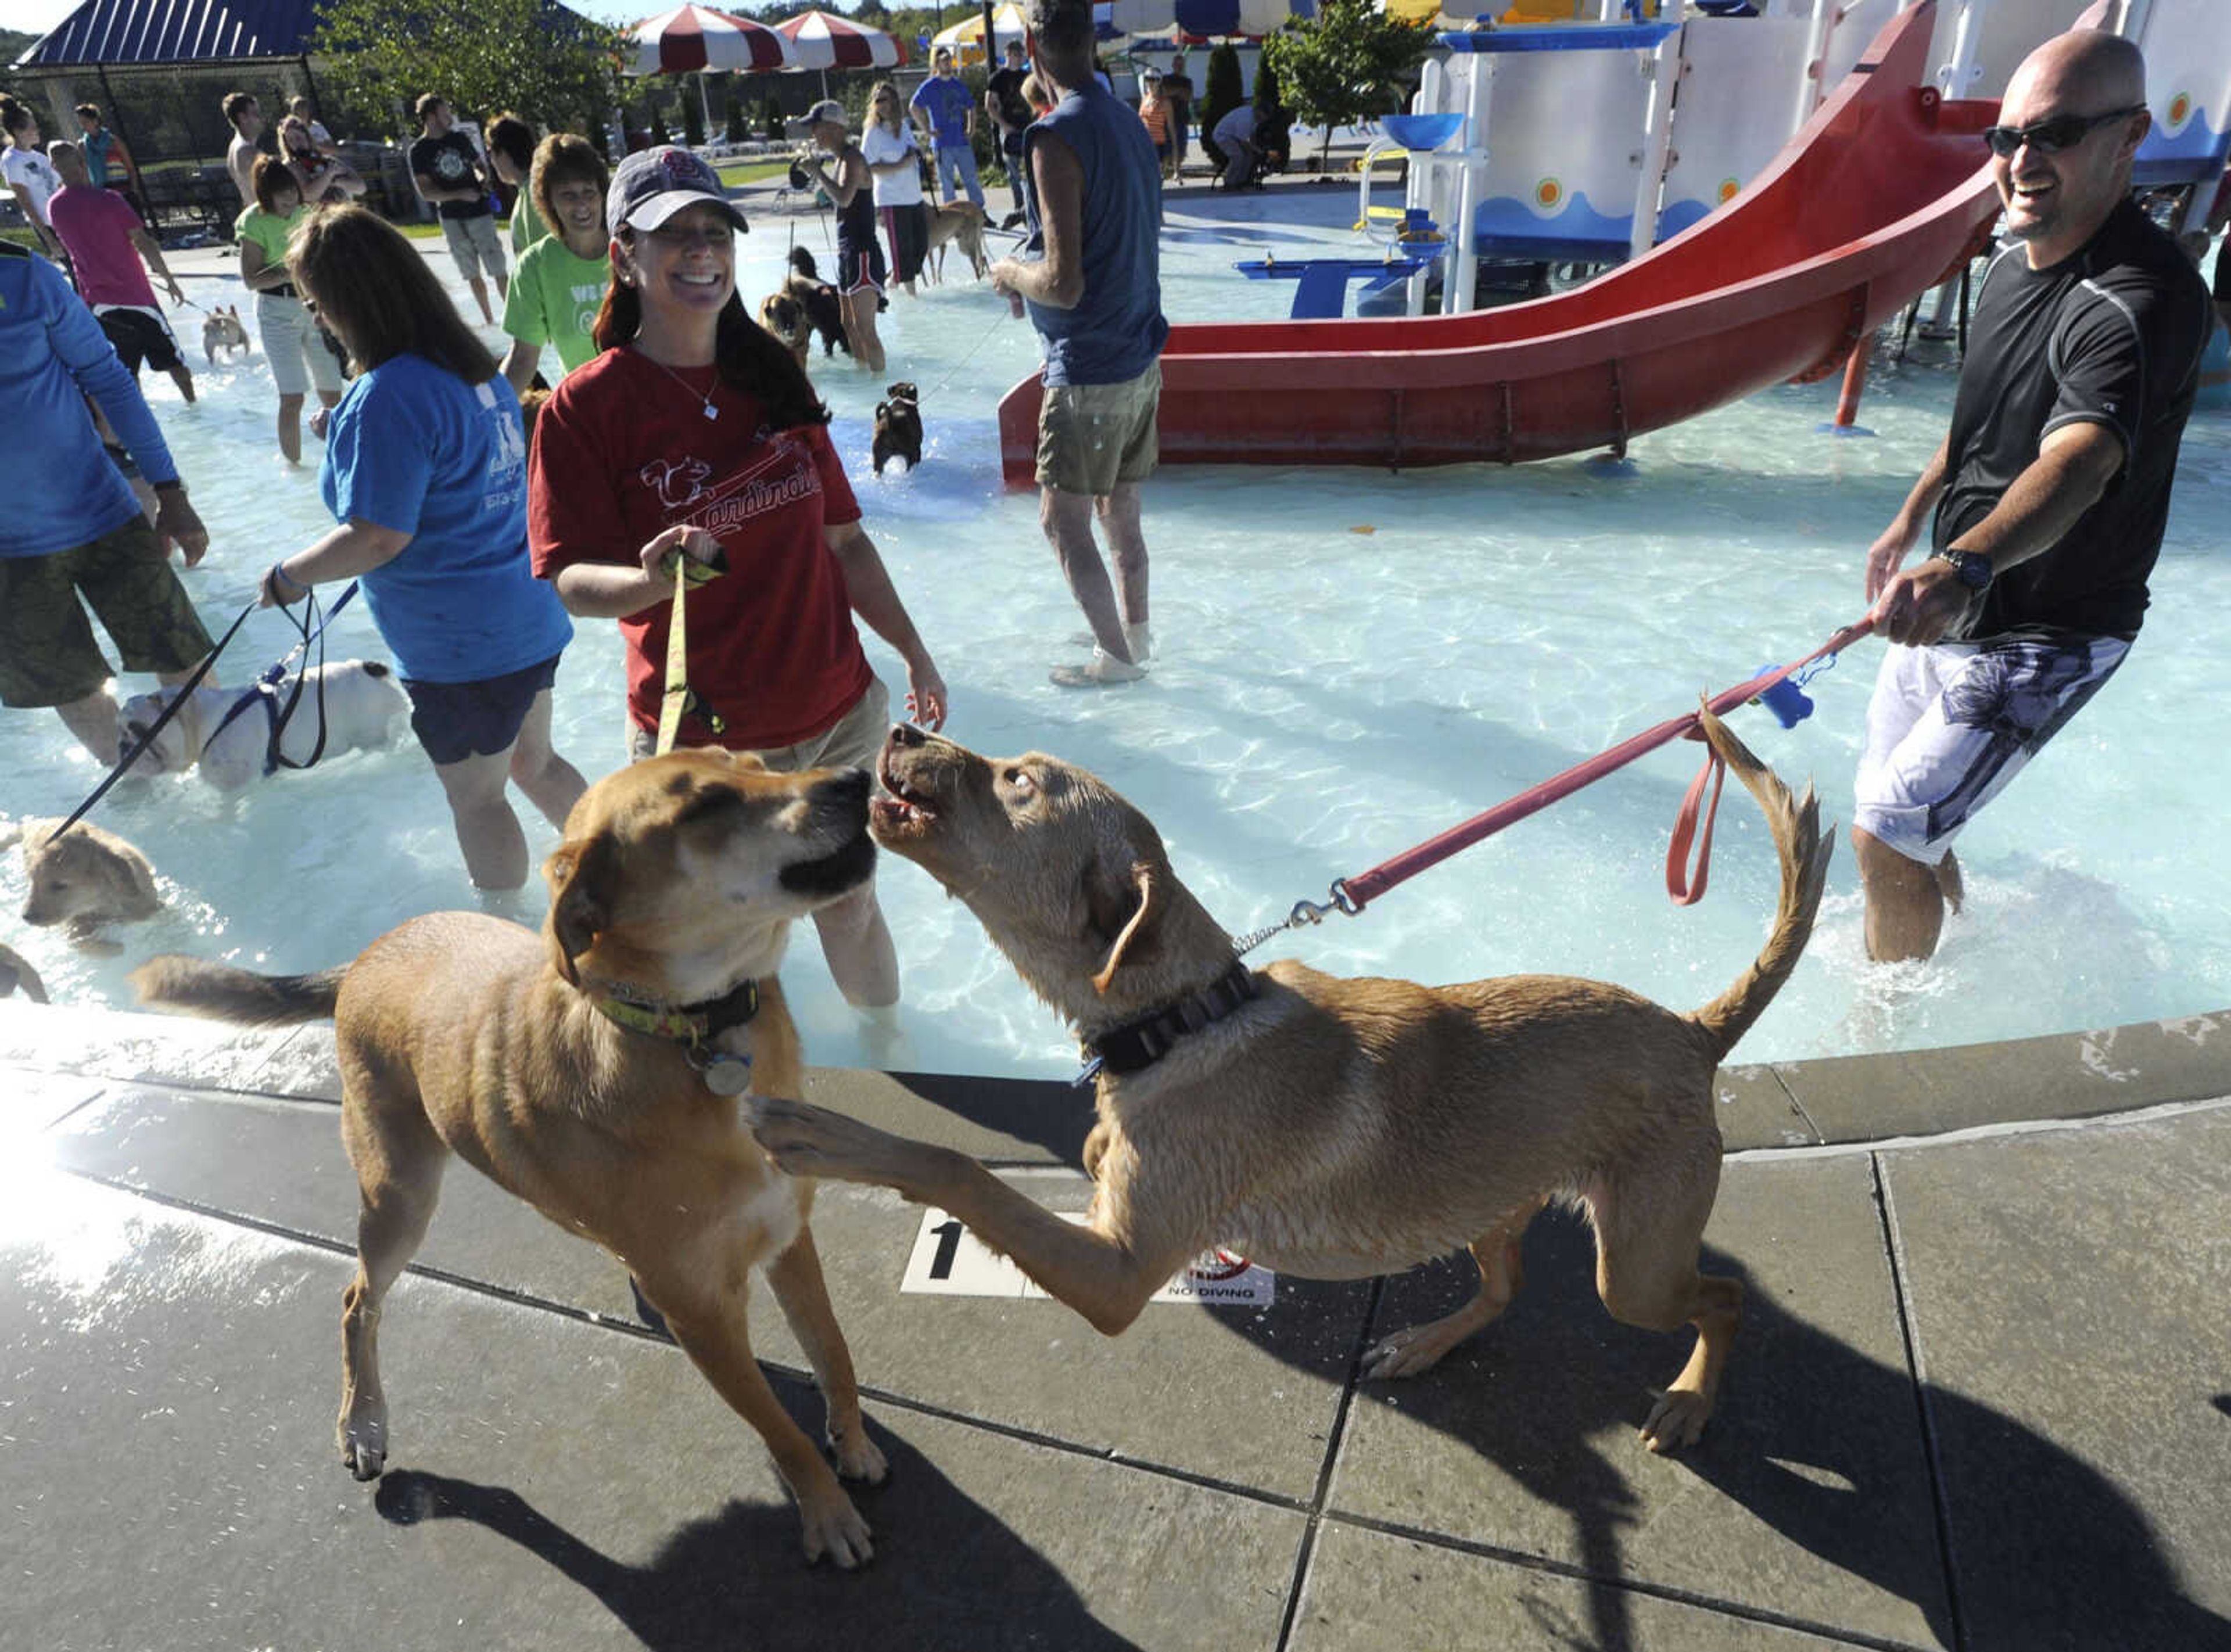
x=47 y=655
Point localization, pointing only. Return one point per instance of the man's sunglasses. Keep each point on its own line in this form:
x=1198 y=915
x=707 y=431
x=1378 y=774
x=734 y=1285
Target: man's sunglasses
x=2051 y=137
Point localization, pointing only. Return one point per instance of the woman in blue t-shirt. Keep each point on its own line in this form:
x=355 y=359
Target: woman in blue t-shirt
x=425 y=471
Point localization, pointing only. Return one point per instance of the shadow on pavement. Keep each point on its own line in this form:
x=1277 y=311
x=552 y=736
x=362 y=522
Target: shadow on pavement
x=737 y=1580
x=1812 y=1437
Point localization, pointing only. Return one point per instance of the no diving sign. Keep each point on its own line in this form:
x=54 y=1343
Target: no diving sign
x=949 y=1261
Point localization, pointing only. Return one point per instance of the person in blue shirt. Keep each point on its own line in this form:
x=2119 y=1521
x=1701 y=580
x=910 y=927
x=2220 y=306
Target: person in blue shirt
x=425 y=472
x=72 y=526
x=947 y=113
x=1090 y=278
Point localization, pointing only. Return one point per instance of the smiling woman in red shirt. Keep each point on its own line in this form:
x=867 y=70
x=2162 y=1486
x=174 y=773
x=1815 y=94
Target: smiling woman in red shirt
x=696 y=430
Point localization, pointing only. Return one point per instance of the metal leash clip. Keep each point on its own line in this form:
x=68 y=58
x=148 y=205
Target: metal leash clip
x=1304 y=913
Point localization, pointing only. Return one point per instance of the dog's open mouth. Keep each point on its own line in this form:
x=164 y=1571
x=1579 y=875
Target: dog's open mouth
x=901 y=805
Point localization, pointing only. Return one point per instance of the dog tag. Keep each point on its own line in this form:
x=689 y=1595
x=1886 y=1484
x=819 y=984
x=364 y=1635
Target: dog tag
x=728 y=1075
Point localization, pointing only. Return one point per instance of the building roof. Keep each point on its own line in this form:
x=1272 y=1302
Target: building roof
x=175 y=31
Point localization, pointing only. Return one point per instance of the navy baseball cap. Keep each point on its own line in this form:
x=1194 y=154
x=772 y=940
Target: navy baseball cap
x=651 y=185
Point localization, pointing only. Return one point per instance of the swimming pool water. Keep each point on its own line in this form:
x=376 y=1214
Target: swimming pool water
x=1347 y=662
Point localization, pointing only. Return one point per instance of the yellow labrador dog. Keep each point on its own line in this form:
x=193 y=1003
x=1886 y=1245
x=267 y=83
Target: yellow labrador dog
x=1329 y=1128
x=85 y=880
x=595 y=1071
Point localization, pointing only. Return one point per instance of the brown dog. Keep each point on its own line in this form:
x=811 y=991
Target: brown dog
x=1330 y=1128
x=221 y=330
x=824 y=309
x=781 y=314
x=956 y=223
x=898 y=428
x=594 y=1071
x=87 y=879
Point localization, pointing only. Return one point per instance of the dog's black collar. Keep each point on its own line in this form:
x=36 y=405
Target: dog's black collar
x=1141 y=1043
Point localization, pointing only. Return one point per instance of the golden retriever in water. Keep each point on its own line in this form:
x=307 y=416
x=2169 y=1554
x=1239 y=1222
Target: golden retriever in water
x=594 y=1072
x=87 y=879
x=1330 y=1128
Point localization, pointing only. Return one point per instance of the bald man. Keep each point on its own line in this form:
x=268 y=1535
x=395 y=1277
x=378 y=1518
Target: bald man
x=2048 y=497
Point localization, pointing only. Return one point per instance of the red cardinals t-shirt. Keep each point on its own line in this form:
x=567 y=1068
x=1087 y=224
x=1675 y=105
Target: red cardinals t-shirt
x=624 y=451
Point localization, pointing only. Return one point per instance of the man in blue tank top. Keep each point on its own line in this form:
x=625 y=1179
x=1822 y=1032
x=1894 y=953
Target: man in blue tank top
x=1090 y=277
x=2049 y=496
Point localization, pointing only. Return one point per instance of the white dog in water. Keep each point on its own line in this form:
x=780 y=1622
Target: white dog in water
x=364 y=707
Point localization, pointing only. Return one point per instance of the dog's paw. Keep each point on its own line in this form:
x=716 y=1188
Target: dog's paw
x=364 y=1447
x=1406 y=1354
x=805 y=1140
x=1676 y=1419
x=834 y=1531
x=858 y=1456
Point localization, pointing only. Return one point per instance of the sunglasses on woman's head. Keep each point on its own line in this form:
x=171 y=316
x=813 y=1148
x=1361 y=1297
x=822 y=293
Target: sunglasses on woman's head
x=2051 y=137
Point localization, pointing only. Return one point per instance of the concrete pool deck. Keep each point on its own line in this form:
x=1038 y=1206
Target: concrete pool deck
x=1983 y=1398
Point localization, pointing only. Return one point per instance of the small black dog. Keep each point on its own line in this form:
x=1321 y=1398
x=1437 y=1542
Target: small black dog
x=823 y=309
x=898 y=428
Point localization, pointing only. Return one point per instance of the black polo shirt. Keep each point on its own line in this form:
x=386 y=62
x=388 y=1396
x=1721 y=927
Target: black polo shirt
x=2110 y=335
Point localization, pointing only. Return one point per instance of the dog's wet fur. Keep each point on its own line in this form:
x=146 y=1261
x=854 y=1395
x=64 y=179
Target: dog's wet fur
x=1328 y=1127
x=84 y=880
x=676 y=883
x=824 y=309
x=221 y=330
x=784 y=315
x=898 y=427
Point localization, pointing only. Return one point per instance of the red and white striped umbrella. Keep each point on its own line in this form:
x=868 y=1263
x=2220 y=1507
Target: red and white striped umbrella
x=824 y=40
x=700 y=37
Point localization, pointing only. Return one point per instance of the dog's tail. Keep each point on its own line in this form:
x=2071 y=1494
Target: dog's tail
x=1805 y=854
x=194 y=986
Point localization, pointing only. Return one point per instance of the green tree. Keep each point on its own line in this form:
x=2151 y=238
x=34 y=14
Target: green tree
x=737 y=131
x=1272 y=118
x=1348 y=63
x=1220 y=95
x=552 y=65
x=771 y=122
x=693 y=114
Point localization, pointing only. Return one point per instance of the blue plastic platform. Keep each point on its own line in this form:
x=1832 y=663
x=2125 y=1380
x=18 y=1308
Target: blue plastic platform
x=1322 y=294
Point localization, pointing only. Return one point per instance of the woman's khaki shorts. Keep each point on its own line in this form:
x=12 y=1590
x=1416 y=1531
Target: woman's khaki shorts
x=853 y=741
x=47 y=655
x=1091 y=436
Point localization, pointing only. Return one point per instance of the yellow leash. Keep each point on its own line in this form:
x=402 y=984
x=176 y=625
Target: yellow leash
x=675 y=700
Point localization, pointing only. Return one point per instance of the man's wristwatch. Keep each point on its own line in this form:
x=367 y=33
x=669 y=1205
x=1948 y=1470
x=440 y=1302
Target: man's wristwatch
x=1972 y=566
x=176 y=484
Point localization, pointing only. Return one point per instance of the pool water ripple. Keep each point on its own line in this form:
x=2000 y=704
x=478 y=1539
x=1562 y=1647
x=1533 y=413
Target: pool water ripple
x=1321 y=699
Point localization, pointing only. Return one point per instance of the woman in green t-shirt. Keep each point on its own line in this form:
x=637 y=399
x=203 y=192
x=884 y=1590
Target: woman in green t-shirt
x=297 y=355
x=511 y=151
x=561 y=281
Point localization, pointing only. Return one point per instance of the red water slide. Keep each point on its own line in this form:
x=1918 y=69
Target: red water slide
x=1883 y=193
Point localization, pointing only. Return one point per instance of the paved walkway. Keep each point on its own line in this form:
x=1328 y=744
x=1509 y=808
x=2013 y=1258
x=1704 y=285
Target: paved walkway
x=1982 y=1399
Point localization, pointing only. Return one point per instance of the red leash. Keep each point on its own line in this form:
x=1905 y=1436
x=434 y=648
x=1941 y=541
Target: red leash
x=1352 y=894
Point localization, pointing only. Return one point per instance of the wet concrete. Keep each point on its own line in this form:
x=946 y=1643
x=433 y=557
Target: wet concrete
x=1979 y=1398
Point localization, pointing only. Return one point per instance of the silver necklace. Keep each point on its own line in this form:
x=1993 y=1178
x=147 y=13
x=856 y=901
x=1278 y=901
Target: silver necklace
x=711 y=412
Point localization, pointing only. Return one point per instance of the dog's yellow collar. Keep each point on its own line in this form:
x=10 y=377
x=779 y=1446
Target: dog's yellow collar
x=687 y=1023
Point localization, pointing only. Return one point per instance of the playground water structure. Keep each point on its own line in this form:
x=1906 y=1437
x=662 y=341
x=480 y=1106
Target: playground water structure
x=1322 y=698
x=1881 y=193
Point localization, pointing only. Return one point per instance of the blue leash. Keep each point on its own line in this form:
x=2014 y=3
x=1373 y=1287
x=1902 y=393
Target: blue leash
x=266 y=686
